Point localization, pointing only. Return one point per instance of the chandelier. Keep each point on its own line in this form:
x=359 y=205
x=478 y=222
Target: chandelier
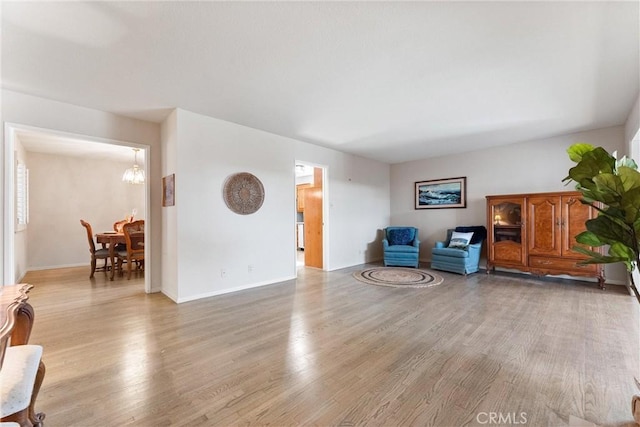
x=134 y=175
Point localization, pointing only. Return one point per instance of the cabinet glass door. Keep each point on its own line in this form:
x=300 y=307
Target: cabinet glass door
x=506 y=225
x=507 y=222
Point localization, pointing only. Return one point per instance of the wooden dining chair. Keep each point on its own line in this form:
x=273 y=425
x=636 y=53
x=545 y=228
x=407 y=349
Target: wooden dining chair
x=96 y=254
x=134 y=252
x=117 y=226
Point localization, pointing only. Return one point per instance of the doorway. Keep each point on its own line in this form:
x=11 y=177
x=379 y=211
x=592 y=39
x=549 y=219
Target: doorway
x=39 y=142
x=310 y=195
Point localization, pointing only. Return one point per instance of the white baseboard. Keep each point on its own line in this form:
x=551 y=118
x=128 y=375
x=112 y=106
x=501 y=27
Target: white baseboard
x=53 y=267
x=229 y=290
x=172 y=297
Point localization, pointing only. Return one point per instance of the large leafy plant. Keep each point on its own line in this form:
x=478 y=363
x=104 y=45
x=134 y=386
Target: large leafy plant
x=612 y=186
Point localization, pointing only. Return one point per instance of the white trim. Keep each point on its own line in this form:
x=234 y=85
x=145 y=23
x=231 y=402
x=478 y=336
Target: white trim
x=54 y=267
x=325 y=218
x=10 y=130
x=172 y=297
x=9 y=212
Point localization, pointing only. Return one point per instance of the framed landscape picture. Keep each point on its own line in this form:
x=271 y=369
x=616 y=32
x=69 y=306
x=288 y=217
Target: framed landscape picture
x=441 y=193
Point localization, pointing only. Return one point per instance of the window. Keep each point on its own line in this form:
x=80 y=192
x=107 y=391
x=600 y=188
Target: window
x=22 y=196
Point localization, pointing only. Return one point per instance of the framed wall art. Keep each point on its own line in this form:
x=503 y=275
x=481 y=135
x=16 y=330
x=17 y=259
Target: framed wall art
x=169 y=190
x=243 y=193
x=441 y=193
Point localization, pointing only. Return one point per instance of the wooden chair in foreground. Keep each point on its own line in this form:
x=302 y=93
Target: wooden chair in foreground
x=134 y=252
x=21 y=367
x=96 y=254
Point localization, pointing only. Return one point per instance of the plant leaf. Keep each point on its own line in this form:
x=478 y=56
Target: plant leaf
x=589 y=238
x=630 y=204
x=583 y=173
x=609 y=189
x=629 y=177
x=576 y=151
x=616 y=215
x=636 y=227
x=605 y=161
x=618 y=249
x=597 y=258
x=610 y=231
x=609 y=185
x=613 y=188
x=592 y=164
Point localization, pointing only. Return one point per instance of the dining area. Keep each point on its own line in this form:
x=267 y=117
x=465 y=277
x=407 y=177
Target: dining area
x=69 y=180
x=118 y=249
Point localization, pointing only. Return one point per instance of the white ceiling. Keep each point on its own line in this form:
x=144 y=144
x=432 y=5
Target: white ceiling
x=393 y=81
x=40 y=142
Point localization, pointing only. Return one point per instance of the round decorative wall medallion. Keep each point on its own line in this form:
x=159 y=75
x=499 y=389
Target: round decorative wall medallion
x=243 y=193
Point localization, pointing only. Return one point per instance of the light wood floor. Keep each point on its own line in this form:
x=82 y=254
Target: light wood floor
x=328 y=350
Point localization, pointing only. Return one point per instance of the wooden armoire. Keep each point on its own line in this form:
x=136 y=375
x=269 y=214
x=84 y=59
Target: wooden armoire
x=536 y=232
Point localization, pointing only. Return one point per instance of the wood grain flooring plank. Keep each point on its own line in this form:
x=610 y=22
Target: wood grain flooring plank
x=327 y=350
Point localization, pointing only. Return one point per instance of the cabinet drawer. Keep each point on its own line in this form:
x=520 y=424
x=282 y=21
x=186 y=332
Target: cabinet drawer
x=561 y=264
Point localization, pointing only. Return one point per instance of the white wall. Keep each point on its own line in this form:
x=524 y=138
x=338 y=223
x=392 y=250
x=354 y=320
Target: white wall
x=46 y=114
x=211 y=238
x=169 y=136
x=65 y=189
x=632 y=125
x=525 y=167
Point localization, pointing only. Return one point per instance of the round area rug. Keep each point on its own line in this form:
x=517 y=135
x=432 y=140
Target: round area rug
x=398 y=277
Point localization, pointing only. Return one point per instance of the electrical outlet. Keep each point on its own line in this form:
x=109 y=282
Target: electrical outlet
x=223 y=273
x=250 y=268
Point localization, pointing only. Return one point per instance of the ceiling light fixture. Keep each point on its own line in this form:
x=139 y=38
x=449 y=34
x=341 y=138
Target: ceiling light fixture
x=134 y=175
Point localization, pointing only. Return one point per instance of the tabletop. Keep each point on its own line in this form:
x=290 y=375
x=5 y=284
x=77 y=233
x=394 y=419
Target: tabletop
x=110 y=237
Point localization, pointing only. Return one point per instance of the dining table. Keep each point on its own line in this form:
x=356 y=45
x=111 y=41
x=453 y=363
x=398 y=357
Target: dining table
x=111 y=238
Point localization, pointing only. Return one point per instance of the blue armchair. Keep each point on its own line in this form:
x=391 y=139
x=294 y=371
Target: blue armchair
x=401 y=246
x=459 y=260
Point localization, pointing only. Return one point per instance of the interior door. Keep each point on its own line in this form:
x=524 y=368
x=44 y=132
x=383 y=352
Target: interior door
x=313 y=222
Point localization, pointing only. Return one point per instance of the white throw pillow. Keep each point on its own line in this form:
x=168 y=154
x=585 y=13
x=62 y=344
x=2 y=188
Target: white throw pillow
x=460 y=240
